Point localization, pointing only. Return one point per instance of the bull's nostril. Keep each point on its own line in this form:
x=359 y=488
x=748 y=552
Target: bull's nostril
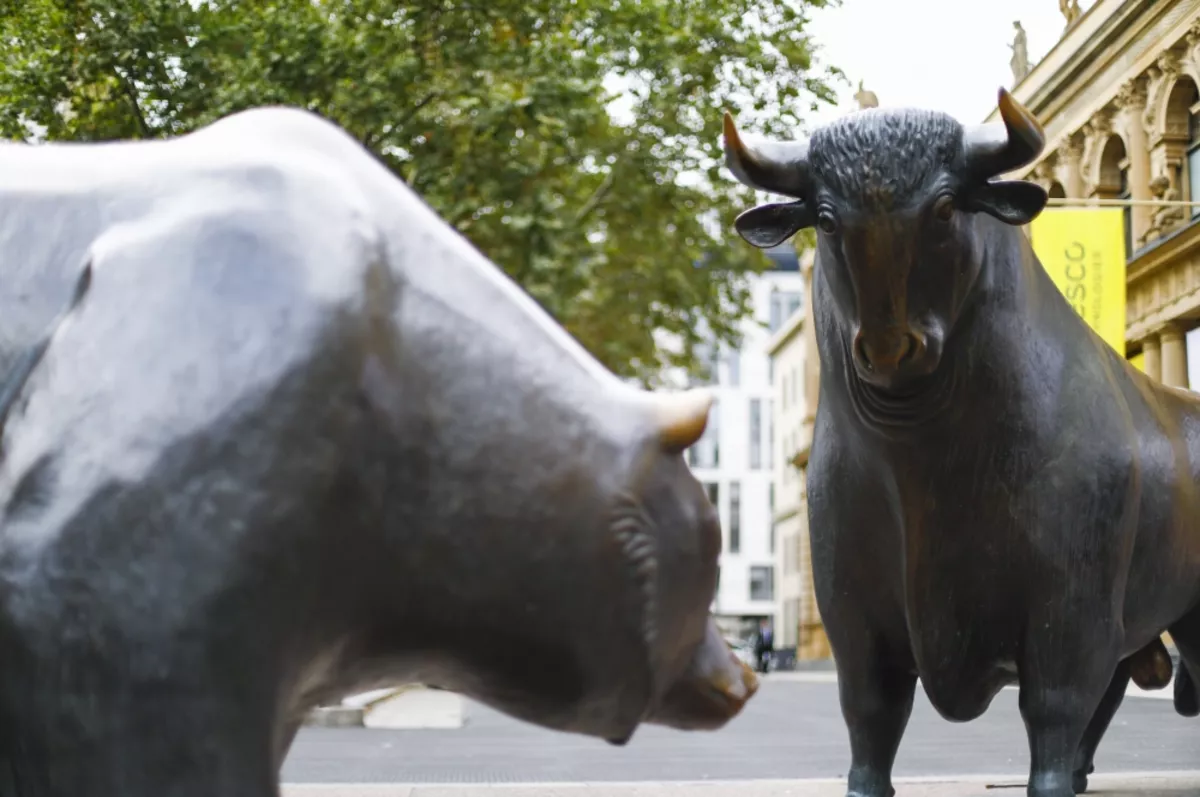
x=860 y=347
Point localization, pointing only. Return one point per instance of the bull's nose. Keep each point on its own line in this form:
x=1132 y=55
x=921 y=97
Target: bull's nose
x=886 y=353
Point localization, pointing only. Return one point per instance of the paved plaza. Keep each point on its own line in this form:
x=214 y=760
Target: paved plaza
x=790 y=741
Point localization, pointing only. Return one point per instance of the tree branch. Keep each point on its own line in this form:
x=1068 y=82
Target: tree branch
x=131 y=95
x=598 y=195
x=415 y=109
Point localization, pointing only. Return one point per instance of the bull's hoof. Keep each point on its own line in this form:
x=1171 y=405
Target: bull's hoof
x=864 y=784
x=1054 y=784
x=1079 y=780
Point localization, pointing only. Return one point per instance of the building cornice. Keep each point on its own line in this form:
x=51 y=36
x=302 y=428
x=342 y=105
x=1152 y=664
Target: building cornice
x=1115 y=45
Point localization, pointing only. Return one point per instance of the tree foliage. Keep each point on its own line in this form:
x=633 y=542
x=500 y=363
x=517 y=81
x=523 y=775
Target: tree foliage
x=575 y=142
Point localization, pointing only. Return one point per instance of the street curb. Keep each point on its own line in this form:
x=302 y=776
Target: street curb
x=352 y=716
x=334 y=717
x=1133 y=784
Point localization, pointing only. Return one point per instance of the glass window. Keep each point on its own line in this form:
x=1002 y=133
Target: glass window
x=735 y=517
x=714 y=495
x=770 y=434
x=734 y=358
x=755 y=434
x=783 y=304
x=762 y=583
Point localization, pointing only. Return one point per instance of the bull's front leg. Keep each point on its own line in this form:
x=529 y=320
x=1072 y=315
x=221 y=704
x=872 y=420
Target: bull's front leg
x=1065 y=679
x=877 y=699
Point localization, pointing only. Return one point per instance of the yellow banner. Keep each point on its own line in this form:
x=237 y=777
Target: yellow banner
x=1083 y=249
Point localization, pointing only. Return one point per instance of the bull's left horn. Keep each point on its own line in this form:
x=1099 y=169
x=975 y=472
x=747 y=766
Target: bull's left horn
x=682 y=418
x=780 y=167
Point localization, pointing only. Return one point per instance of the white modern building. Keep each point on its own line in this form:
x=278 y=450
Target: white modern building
x=736 y=457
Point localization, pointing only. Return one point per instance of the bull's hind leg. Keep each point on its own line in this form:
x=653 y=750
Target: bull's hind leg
x=1085 y=757
x=1186 y=634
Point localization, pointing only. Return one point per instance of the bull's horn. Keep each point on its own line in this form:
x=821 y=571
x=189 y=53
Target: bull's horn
x=780 y=167
x=994 y=149
x=682 y=418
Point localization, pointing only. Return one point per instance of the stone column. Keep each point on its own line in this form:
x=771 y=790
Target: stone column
x=1174 y=356
x=1152 y=358
x=1132 y=100
x=1072 y=155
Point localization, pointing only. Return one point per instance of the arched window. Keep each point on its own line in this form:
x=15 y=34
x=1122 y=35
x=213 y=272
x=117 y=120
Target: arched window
x=1182 y=126
x=1057 y=191
x=1114 y=182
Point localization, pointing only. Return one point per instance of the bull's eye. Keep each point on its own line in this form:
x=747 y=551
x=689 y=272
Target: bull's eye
x=943 y=209
x=827 y=223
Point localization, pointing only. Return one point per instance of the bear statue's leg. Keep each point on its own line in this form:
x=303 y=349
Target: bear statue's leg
x=1065 y=675
x=1186 y=635
x=1085 y=756
x=877 y=700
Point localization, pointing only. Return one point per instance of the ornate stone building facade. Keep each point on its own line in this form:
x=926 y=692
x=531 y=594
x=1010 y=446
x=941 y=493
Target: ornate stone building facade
x=1119 y=99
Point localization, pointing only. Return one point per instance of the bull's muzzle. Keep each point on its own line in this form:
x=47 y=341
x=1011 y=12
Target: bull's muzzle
x=712 y=691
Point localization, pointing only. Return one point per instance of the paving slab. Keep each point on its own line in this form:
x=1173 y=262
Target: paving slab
x=1177 y=784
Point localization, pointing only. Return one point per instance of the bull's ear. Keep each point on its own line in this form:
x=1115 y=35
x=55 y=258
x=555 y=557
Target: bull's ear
x=1014 y=202
x=770 y=225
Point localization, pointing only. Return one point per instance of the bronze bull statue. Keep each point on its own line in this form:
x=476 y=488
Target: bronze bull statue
x=995 y=495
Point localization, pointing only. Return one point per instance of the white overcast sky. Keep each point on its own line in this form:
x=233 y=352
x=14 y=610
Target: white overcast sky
x=947 y=55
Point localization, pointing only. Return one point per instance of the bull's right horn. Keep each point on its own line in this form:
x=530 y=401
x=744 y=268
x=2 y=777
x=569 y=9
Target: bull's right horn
x=780 y=167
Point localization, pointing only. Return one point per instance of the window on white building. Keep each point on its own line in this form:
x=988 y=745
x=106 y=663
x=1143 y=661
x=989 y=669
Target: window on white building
x=770 y=434
x=783 y=304
x=755 y=434
x=734 y=359
x=762 y=583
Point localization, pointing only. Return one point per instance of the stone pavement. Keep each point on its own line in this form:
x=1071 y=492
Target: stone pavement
x=1138 y=785
x=793 y=731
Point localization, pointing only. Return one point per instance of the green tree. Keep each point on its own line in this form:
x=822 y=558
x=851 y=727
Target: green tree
x=575 y=142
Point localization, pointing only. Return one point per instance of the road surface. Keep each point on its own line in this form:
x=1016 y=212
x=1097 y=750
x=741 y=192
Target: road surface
x=792 y=730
